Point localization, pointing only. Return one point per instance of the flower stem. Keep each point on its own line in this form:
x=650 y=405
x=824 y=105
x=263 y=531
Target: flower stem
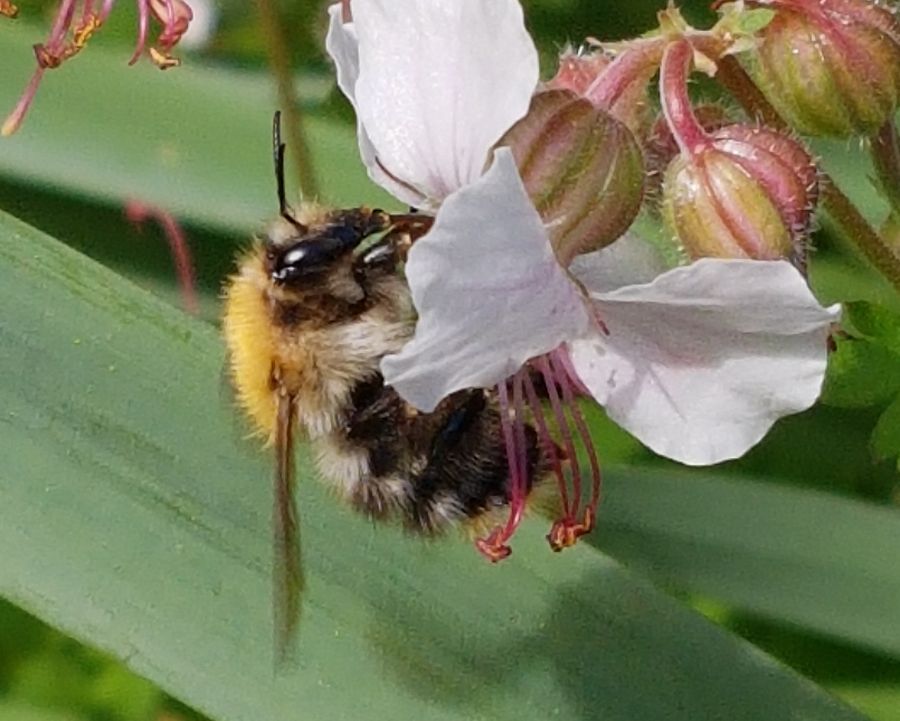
x=886 y=159
x=280 y=63
x=635 y=64
x=842 y=211
x=676 y=103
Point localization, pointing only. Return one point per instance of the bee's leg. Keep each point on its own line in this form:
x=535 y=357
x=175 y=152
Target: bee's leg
x=406 y=230
x=382 y=255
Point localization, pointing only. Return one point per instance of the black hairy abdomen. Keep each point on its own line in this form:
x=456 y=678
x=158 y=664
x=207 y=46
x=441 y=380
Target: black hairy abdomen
x=454 y=458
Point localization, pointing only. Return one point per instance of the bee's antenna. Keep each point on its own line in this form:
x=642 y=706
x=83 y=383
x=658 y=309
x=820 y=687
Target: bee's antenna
x=278 y=156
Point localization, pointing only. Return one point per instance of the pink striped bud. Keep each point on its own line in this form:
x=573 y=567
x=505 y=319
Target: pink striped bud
x=582 y=168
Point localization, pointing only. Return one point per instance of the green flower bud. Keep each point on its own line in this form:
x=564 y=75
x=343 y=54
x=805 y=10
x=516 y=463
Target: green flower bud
x=830 y=67
x=582 y=168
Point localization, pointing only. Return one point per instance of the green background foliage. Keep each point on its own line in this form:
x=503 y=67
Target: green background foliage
x=134 y=514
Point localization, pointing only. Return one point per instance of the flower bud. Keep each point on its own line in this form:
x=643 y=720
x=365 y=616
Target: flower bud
x=744 y=193
x=582 y=168
x=830 y=67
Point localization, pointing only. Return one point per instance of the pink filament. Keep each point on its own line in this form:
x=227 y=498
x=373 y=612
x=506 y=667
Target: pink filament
x=169 y=35
x=519 y=485
x=138 y=212
x=562 y=426
x=143 y=23
x=15 y=118
x=559 y=360
x=562 y=386
x=61 y=25
x=87 y=11
x=105 y=10
x=537 y=412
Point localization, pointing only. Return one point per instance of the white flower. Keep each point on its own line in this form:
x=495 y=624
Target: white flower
x=697 y=362
x=435 y=83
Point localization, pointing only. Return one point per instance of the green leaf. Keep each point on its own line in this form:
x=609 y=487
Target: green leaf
x=861 y=374
x=876 y=322
x=752 y=21
x=822 y=562
x=14 y=710
x=886 y=436
x=195 y=140
x=140 y=523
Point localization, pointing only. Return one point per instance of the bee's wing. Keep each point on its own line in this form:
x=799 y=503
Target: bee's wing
x=287 y=568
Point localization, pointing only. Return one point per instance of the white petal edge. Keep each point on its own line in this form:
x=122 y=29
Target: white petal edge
x=343 y=47
x=440 y=81
x=488 y=289
x=701 y=362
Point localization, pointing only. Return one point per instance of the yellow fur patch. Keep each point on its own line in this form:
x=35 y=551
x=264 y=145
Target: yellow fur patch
x=248 y=333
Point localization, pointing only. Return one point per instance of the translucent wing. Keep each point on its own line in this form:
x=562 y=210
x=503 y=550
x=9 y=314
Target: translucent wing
x=287 y=568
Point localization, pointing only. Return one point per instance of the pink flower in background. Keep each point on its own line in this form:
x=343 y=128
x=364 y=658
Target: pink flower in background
x=77 y=20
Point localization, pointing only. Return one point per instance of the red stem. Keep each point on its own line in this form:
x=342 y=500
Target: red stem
x=676 y=102
x=628 y=67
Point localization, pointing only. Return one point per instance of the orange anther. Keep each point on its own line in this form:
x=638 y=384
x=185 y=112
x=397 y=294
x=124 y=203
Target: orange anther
x=493 y=548
x=163 y=61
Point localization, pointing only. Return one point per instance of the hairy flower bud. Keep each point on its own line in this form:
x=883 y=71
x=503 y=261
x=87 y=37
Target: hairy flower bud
x=745 y=193
x=831 y=67
x=582 y=168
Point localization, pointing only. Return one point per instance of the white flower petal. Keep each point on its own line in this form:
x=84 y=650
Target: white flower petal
x=489 y=292
x=439 y=82
x=630 y=260
x=343 y=47
x=701 y=362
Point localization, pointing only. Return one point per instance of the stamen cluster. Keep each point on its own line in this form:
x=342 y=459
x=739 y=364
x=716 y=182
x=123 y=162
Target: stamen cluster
x=76 y=22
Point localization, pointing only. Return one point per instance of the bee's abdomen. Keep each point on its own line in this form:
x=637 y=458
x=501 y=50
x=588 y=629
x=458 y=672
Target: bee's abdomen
x=430 y=470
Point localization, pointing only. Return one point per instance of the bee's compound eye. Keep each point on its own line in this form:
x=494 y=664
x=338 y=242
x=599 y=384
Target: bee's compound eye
x=309 y=256
x=294 y=256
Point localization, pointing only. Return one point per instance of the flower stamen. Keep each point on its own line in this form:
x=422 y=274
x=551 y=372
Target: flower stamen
x=139 y=213
x=495 y=546
x=143 y=26
x=564 y=432
x=570 y=383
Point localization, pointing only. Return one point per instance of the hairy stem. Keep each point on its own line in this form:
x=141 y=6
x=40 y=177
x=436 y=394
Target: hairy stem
x=886 y=159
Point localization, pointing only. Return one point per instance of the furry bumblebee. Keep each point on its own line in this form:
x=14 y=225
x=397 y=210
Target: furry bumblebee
x=309 y=314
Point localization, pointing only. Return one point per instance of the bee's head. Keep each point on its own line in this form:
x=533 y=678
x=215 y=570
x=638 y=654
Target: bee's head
x=303 y=259
x=306 y=258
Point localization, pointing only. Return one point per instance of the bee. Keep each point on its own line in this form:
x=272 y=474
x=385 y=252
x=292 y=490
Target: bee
x=315 y=304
